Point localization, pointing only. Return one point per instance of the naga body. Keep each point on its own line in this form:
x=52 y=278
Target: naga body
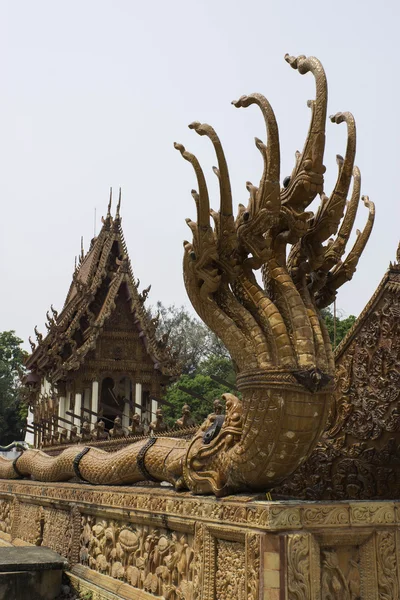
x=274 y=332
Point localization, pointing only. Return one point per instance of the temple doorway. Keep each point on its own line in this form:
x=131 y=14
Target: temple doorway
x=111 y=404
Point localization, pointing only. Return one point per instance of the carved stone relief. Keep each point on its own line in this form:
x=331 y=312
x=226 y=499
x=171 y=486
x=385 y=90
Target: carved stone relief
x=230 y=581
x=57 y=531
x=157 y=561
x=388 y=583
x=253 y=566
x=5 y=516
x=30 y=523
x=340 y=573
x=298 y=567
x=303 y=567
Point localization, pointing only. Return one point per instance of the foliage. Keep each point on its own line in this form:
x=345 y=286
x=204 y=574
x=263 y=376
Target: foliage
x=12 y=411
x=343 y=325
x=201 y=384
x=188 y=338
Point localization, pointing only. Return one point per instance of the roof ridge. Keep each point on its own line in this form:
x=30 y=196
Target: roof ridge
x=358 y=323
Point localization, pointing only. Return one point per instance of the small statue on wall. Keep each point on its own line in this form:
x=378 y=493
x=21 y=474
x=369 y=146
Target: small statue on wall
x=74 y=437
x=55 y=438
x=186 y=420
x=158 y=426
x=98 y=432
x=136 y=427
x=85 y=432
x=218 y=407
x=63 y=436
x=117 y=431
x=46 y=440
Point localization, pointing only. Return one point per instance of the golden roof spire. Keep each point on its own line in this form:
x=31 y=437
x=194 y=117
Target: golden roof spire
x=117 y=215
x=109 y=204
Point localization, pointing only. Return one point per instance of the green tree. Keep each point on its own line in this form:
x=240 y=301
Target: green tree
x=204 y=389
x=343 y=325
x=188 y=337
x=12 y=411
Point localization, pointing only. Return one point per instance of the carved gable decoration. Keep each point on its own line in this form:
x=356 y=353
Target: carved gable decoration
x=103 y=296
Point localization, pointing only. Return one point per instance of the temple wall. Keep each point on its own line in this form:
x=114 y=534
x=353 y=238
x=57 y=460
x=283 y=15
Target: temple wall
x=147 y=542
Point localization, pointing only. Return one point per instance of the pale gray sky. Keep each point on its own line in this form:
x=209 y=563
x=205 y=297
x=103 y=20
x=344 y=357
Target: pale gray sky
x=93 y=94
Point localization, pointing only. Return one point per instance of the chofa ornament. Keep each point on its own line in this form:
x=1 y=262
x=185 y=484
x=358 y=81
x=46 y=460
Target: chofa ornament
x=275 y=334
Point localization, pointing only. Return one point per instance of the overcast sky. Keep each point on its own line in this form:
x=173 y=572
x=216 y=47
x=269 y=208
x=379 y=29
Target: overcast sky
x=94 y=93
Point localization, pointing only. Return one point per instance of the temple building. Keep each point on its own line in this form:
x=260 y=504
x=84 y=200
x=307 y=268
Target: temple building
x=101 y=357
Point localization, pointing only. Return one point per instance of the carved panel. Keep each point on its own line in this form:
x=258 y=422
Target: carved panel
x=57 y=530
x=230 y=581
x=340 y=573
x=388 y=583
x=157 y=561
x=30 y=523
x=303 y=567
x=253 y=574
x=121 y=318
x=5 y=516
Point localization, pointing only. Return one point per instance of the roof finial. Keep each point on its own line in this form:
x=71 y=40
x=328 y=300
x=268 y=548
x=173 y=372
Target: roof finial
x=109 y=204
x=118 y=205
x=75 y=263
x=398 y=254
x=82 y=250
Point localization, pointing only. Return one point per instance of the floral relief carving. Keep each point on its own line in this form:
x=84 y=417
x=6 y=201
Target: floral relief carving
x=57 y=531
x=370 y=513
x=230 y=580
x=30 y=523
x=263 y=515
x=298 y=567
x=154 y=560
x=388 y=583
x=5 y=516
x=253 y=566
x=340 y=574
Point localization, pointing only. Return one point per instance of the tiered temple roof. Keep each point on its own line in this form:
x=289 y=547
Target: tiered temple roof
x=103 y=279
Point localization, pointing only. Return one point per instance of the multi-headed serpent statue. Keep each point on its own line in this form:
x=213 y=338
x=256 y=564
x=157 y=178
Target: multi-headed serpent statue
x=275 y=335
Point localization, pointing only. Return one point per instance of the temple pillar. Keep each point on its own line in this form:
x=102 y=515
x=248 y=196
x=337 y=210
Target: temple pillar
x=61 y=413
x=125 y=415
x=154 y=407
x=86 y=401
x=95 y=401
x=138 y=398
x=127 y=405
x=29 y=437
x=78 y=409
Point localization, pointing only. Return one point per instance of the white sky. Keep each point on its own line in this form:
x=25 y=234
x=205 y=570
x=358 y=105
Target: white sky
x=93 y=94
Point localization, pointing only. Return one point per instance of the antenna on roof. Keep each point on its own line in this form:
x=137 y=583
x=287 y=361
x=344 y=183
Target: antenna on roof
x=118 y=205
x=109 y=204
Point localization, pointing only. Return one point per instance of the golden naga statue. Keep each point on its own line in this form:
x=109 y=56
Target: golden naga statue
x=275 y=335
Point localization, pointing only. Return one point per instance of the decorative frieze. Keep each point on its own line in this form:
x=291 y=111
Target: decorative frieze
x=178 y=546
